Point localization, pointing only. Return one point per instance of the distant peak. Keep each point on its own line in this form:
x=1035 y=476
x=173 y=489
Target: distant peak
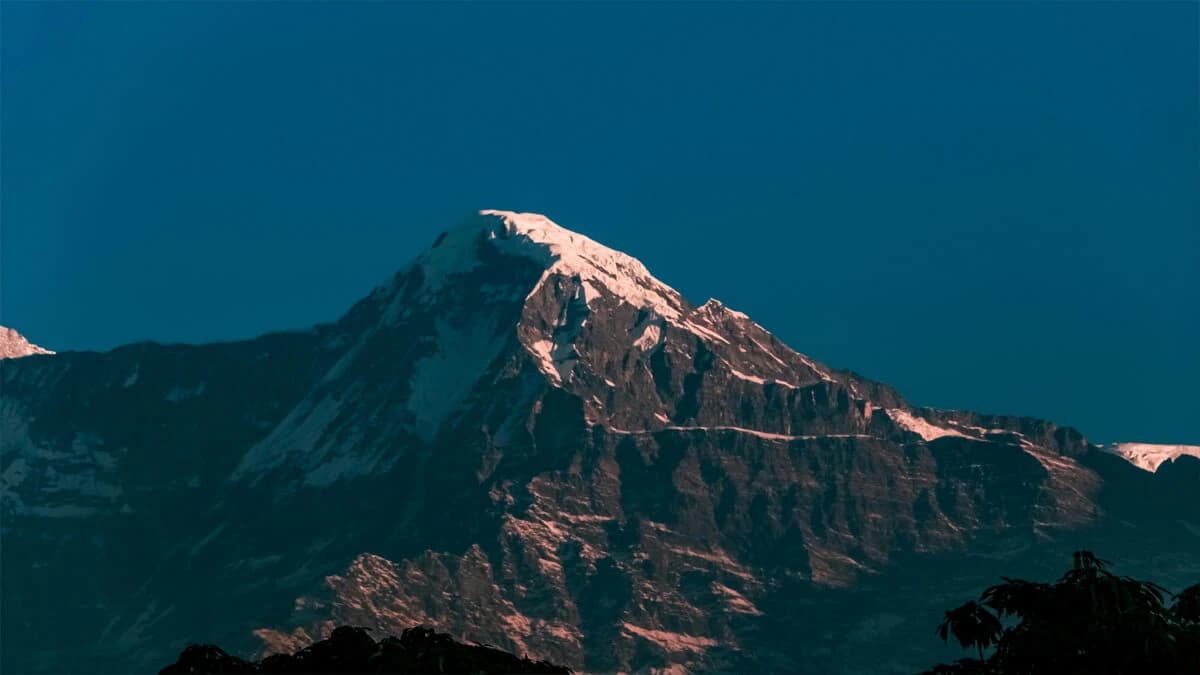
x=1150 y=456
x=13 y=345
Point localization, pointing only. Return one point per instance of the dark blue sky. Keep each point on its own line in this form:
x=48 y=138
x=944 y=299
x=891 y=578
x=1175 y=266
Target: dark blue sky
x=989 y=205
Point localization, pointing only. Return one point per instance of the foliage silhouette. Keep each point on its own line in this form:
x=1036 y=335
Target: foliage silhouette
x=972 y=625
x=352 y=650
x=1089 y=621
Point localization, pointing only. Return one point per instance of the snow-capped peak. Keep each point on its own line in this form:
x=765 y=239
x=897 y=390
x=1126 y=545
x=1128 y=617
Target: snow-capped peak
x=572 y=254
x=1150 y=456
x=602 y=273
x=559 y=250
x=13 y=345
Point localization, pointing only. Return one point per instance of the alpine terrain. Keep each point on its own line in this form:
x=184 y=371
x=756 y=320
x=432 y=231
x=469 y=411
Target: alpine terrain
x=14 y=345
x=525 y=439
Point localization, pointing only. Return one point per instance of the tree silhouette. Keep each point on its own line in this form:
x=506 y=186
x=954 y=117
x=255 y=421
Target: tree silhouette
x=972 y=625
x=1089 y=621
x=1187 y=605
x=350 y=649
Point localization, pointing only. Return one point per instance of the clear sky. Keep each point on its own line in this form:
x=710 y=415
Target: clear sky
x=989 y=205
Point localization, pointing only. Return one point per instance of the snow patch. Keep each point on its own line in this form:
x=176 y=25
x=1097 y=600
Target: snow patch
x=761 y=380
x=671 y=642
x=717 y=557
x=590 y=290
x=766 y=350
x=741 y=430
x=697 y=329
x=734 y=601
x=649 y=337
x=298 y=435
x=812 y=365
x=13 y=345
x=542 y=350
x=980 y=431
x=571 y=254
x=456 y=253
x=1150 y=456
x=557 y=357
x=444 y=379
x=919 y=426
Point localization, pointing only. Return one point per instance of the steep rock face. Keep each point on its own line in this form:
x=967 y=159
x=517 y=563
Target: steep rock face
x=523 y=438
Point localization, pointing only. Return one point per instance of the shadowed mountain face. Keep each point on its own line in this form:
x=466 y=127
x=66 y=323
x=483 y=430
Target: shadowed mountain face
x=524 y=439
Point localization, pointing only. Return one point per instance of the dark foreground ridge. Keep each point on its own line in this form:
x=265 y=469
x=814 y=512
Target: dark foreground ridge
x=352 y=650
x=1089 y=621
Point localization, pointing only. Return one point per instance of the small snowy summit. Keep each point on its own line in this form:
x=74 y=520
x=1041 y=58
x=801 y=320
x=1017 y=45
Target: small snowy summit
x=13 y=345
x=1150 y=456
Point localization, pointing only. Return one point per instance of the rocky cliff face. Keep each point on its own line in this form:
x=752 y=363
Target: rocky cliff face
x=525 y=439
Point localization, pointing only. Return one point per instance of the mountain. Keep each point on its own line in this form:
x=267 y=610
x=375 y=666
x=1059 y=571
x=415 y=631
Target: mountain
x=1150 y=456
x=13 y=345
x=524 y=439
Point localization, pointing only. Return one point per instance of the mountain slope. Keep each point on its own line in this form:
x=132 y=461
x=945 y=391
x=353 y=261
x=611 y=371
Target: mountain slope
x=523 y=438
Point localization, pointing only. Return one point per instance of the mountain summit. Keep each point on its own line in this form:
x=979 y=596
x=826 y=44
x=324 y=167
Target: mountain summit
x=13 y=345
x=559 y=250
x=525 y=439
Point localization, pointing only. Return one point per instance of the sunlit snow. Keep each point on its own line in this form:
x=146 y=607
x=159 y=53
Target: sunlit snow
x=13 y=345
x=572 y=254
x=921 y=427
x=1150 y=456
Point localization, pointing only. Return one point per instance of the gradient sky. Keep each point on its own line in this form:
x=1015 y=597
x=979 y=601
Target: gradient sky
x=993 y=206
